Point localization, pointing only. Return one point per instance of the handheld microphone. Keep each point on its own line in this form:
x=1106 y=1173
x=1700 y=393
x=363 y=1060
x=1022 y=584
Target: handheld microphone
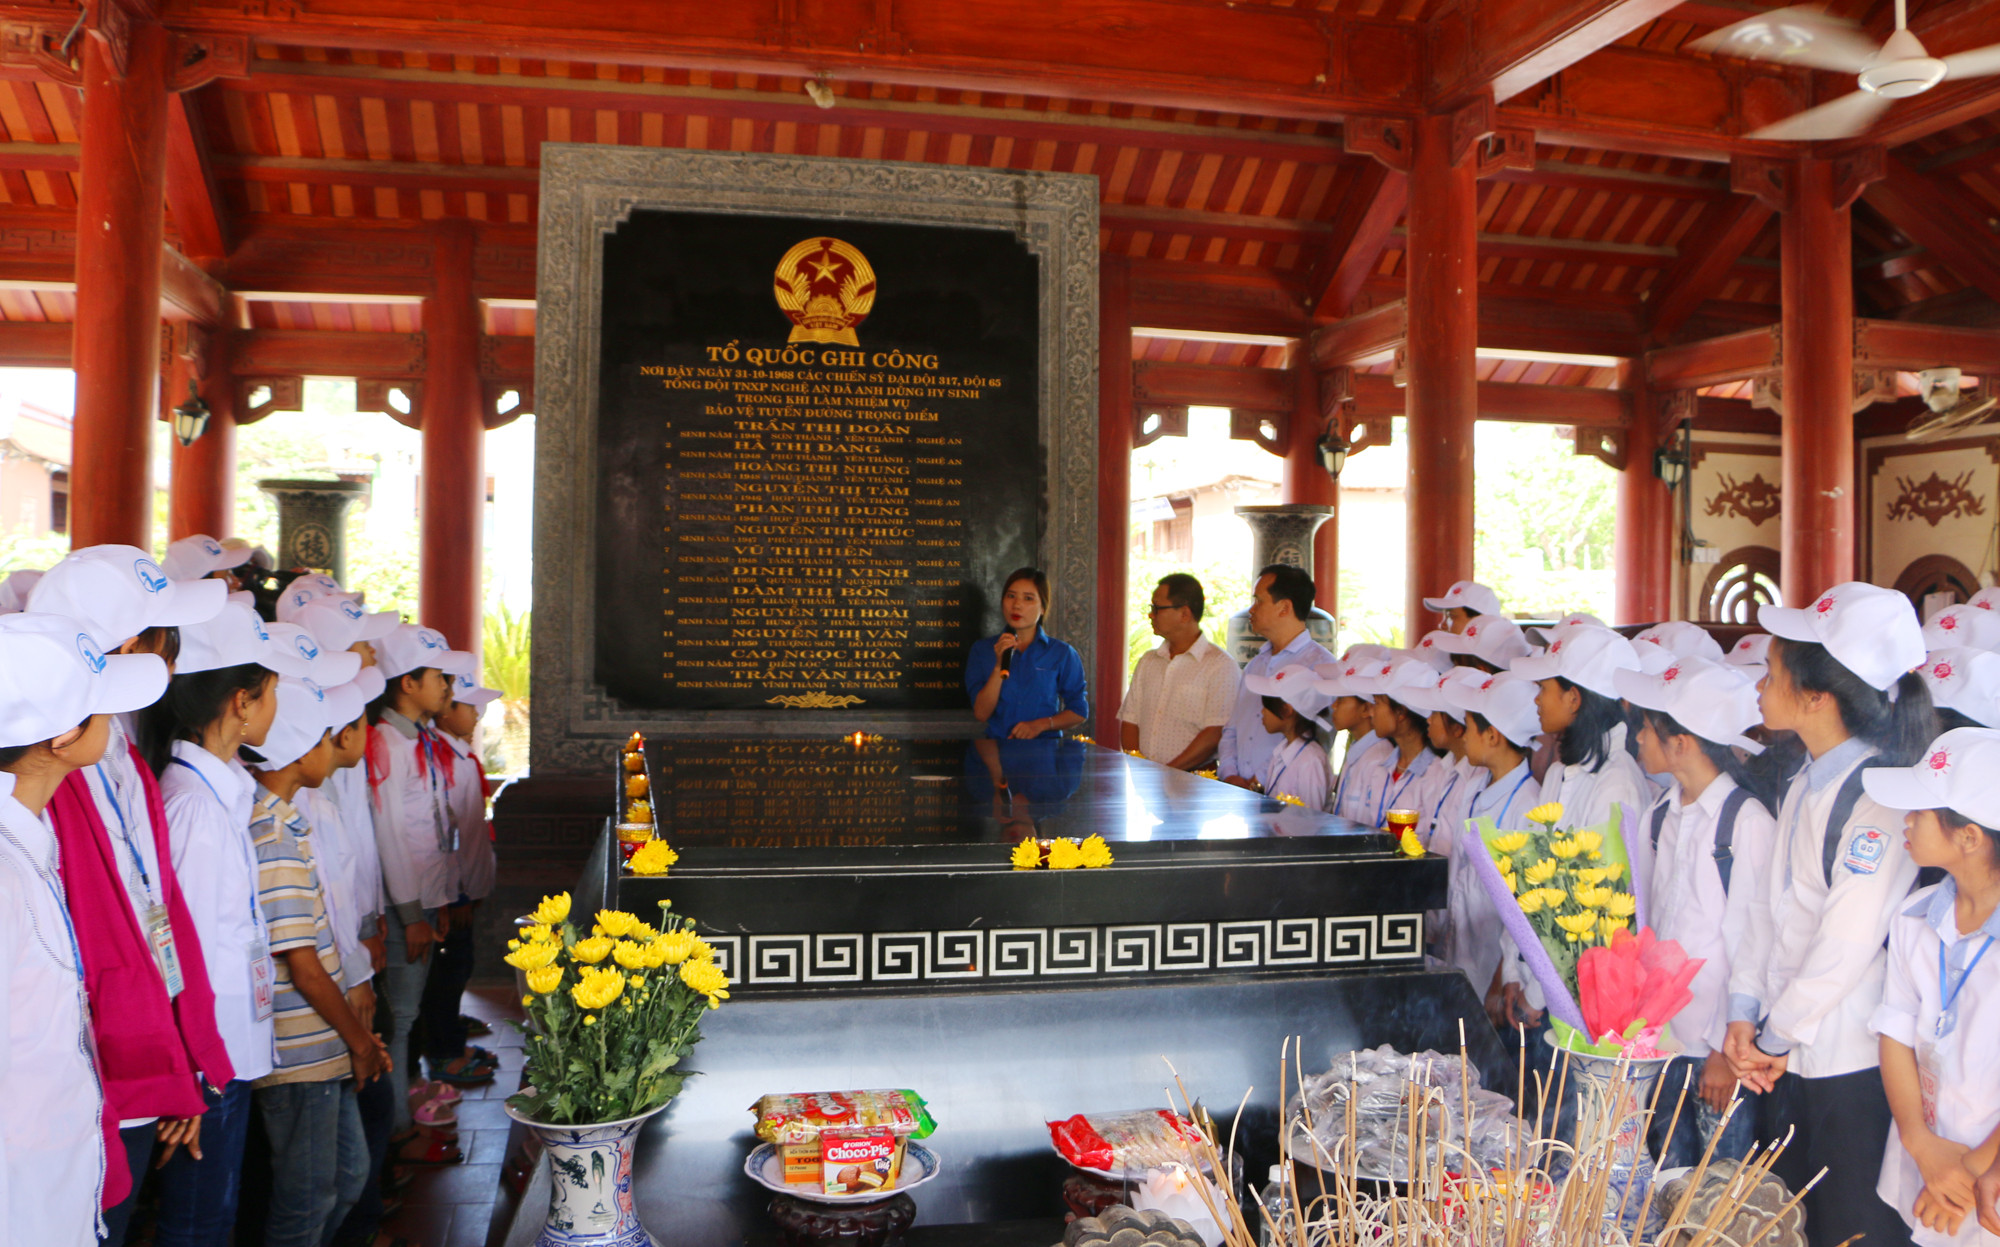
x=1006 y=661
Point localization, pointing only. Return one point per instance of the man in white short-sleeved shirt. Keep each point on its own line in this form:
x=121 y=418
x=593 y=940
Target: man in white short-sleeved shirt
x=1184 y=688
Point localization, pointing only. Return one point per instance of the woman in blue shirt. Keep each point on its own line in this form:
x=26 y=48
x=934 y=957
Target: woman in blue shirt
x=1024 y=683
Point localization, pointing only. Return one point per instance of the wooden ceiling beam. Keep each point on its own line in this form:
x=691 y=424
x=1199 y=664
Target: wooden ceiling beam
x=1910 y=346
x=1577 y=175
x=1364 y=335
x=1713 y=361
x=1213 y=385
x=1927 y=210
x=1712 y=250
x=1505 y=323
x=193 y=201
x=1377 y=396
x=354 y=82
x=1361 y=232
x=1510 y=45
x=1252 y=58
x=1217 y=298
x=34 y=344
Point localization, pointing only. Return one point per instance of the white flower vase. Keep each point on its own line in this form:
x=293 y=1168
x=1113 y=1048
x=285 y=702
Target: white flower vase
x=1612 y=1095
x=590 y=1183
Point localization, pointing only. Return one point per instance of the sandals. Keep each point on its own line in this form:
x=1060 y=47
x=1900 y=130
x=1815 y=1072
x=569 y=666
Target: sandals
x=439 y=1115
x=474 y=1027
x=465 y=1071
x=434 y=1150
x=420 y=1092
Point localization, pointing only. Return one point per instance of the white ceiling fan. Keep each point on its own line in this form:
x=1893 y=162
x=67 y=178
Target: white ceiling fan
x=1898 y=69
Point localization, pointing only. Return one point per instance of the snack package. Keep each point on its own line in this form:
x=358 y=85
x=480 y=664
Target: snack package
x=800 y=1116
x=857 y=1160
x=1126 y=1142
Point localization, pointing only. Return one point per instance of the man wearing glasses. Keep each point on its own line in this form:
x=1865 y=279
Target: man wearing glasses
x=1183 y=689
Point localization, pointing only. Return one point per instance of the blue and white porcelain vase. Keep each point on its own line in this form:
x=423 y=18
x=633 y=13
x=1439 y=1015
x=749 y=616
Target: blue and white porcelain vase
x=590 y=1183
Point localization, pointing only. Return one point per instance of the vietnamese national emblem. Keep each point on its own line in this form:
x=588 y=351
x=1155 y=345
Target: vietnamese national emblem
x=826 y=288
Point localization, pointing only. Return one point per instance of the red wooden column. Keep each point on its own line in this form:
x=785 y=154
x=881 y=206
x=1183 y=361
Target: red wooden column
x=1817 y=522
x=453 y=504
x=1644 y=535
x=120 y=220
x=1440 y=354
x=201 y=496
x=1306 y=481
x=1114 y=490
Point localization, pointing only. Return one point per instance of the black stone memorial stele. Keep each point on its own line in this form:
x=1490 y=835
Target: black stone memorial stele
x=817 y=457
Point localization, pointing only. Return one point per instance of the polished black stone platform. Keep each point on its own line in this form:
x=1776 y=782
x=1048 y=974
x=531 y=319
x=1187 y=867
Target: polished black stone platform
x=883 y=865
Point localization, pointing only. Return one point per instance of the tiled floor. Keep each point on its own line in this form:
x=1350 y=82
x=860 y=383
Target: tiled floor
x=451 y=1206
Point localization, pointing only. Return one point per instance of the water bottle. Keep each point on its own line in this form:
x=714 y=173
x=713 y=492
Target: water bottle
x=1277 y=1209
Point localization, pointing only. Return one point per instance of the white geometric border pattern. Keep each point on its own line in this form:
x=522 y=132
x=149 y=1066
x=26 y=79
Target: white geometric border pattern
x=892 y=957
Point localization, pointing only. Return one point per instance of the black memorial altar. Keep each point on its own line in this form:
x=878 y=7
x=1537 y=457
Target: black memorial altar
x=860 y=894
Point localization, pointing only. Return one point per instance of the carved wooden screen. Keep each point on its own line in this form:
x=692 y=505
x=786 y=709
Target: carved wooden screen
x=1745 y=579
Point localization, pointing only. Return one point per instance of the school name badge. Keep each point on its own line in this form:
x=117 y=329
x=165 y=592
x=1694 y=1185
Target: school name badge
x=826 y=288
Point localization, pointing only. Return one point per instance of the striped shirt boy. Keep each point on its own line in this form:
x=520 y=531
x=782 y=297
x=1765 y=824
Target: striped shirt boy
x=294 y=905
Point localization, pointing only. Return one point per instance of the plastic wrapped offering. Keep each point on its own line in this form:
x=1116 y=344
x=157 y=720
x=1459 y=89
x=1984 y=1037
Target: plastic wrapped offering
x=800 y=1116
x=1398 y=1100
x=1126 y=1142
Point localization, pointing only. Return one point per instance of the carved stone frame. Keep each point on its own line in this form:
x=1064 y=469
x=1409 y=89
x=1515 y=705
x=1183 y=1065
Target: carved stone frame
x=586 y=191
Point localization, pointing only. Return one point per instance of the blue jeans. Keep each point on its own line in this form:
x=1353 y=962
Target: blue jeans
x=319 y=1159
x=198 y=1197
x=1698 y=1122
x=400 y=990
x=378 y=1114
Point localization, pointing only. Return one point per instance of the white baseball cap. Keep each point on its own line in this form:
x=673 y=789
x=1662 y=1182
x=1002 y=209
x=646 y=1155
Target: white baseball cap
x=119 y=591
x=345 y=704
x=1713 y=700
x=1427 y=697
x=468 y=690
x=1955 y=773
x=1963 y=626
x=1489 y=638
x=54 y=675
x=234 y=637
x=1467 y=595
x=1545 y=635
x=412 y=646
x=1297 y=686
x=1683 y=640
x=338 y=622
x=196 y=557
x=370 y=683
x=1985 y=599
x=1364 y=651
x=329 y=666
x=303 y=592
x=1369 y=679
x=1869 y=630
x=1583 y=655
x=305 y=714
x=1965 y=680
x=1431 y=650
x=1507 y=701
x=1753 y=651
x=15 y=588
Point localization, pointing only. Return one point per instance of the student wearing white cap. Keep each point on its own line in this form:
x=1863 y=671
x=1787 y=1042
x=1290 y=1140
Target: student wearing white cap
x=323 y=1050
x=200 y=556
x=1464 y=600
x=1965 y=687
x=1500 y=729
x=1488 y=642
x=1292 y=707
x=1367 y=758
x=1966 y=627
x=1940 y=1007
x=1751 y=652
x=14 y=589
x=1450 y=785
x=1841 y=678
x=1985 y=599
x=1683 y=640
x=1712 y=836
x=57 y=693
x=409 y=788
x=343 y=625
x=223 y=698
x=1406 y=729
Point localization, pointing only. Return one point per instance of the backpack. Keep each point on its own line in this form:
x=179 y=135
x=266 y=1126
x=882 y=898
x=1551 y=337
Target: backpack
x=1836 y=831
x=1725 y=831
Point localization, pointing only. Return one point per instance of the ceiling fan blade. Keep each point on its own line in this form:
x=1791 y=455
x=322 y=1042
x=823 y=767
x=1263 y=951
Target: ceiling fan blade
x=1794 y=36
x=1973 y=63
x=1842 y=118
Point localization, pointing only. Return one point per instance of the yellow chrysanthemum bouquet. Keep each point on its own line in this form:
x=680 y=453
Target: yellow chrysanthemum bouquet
x=1573 y=887
x=612 y=1011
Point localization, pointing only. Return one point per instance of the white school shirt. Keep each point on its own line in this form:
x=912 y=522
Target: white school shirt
x=347 y=789
x=1966 y=1099
x=1821 y=976
x=1472 y=939
x=414 y=831
x=1447 y=794
x=1688 y=904
x=1246 y=747
x=1298 y=768
x=476 y=863
x=51 y=1142
x=341 y=886
x=1368 y=762
x=1175 y=697
x=1399 y=792
x=208 y=833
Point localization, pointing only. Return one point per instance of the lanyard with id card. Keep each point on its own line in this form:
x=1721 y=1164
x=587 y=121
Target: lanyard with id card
x=1930 y=1056
x=159 y=926
x=263 y=981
